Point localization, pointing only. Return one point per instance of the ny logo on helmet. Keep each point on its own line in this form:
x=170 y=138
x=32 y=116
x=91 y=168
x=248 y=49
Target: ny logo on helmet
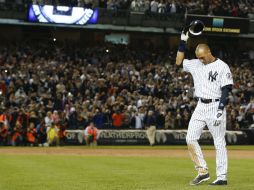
x=212 y=76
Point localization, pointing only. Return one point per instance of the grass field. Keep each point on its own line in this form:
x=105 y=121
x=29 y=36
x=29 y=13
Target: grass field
x=51 y=171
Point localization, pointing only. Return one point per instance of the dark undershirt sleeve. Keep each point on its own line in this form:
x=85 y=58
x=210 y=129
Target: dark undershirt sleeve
x=224 y=96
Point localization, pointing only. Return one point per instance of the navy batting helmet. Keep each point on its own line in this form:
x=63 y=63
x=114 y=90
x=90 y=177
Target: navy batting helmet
x=196 y=27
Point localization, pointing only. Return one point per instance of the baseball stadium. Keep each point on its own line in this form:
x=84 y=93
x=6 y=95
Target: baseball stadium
x=126 y=94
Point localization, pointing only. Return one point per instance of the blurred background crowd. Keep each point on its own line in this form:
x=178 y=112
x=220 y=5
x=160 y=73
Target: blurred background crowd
x=115 y=86
x=235 y=8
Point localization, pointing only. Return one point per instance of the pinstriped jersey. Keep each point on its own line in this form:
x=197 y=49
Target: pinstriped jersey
x=208 y=78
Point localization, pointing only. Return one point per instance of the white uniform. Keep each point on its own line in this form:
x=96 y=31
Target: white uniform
x=208 y=80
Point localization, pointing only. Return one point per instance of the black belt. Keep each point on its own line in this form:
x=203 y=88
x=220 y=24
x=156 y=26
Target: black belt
x=207 y=101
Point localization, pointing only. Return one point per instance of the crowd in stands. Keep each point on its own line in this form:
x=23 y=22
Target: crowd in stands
x=235 y=8
x=115 y=86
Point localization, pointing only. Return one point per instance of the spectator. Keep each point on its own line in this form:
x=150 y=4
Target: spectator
x=169 y=121
x=3 y=134
x=160 y=120
x=138 y=119
x=55 y=117
x=72 y=120
x=41 y=133
x=16 y=137
x=99 y=119
x=48 y=119
x=117 y=119
x=173 y=7
x=154 y=6
x=162 y=7
x=53 y=135
x=150 y=123
x=31 y=135
x=135 y=6
x=144 y=6
x=91 y=134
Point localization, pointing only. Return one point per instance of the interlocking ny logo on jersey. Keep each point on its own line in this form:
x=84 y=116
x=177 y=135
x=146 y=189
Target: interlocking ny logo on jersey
x=212 y=76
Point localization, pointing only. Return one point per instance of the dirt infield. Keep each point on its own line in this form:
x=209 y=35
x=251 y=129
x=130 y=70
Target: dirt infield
x=91 y=151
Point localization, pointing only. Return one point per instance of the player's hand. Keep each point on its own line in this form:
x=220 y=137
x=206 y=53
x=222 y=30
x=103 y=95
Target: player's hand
x=184 y=36
x=218 y=118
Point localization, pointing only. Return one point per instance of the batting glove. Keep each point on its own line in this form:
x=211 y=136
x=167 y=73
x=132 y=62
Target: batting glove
x=218 y=118
x=184 y=36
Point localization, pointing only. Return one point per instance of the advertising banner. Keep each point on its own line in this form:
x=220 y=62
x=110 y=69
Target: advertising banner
x=162 y=137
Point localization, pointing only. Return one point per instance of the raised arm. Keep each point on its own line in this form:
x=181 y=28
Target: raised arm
x=182 y=47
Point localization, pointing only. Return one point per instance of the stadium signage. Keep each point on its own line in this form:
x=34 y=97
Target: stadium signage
x=214 y=24
x=61 y=14
x=162 y=137
x=122 y=137
x=107 y=134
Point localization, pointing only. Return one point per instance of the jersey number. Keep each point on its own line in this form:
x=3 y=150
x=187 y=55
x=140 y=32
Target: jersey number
x=212 y=76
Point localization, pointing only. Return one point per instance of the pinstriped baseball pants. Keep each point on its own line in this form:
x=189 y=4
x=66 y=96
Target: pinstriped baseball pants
x=204 y=115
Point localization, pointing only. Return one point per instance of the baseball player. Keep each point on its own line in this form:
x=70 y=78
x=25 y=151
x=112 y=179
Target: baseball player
x=212 y=82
